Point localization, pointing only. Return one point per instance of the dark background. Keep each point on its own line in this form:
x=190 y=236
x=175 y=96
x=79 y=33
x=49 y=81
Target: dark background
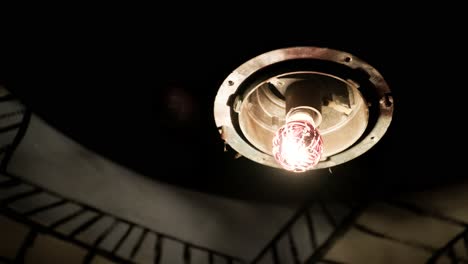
x=143 y=96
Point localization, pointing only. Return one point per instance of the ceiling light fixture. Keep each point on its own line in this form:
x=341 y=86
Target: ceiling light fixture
x=303 y=108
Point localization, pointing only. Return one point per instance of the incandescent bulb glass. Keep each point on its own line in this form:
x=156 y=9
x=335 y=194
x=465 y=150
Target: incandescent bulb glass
x=298 y=145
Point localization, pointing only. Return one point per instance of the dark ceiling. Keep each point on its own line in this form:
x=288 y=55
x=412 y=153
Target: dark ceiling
x=144 y=98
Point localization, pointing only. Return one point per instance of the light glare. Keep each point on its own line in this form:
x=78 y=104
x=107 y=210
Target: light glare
x=297 y=146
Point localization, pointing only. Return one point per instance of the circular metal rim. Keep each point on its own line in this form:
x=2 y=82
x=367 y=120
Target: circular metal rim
x=229 y=87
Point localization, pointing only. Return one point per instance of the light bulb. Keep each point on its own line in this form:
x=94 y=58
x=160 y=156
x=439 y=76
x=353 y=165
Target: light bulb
x=297 y=145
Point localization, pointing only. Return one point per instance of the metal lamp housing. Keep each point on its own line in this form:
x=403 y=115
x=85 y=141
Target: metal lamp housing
x=353 y=102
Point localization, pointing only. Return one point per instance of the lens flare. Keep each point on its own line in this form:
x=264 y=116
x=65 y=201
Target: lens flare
x=297 y=146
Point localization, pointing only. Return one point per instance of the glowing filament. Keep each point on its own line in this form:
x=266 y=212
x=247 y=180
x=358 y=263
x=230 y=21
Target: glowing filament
x=297 y=146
